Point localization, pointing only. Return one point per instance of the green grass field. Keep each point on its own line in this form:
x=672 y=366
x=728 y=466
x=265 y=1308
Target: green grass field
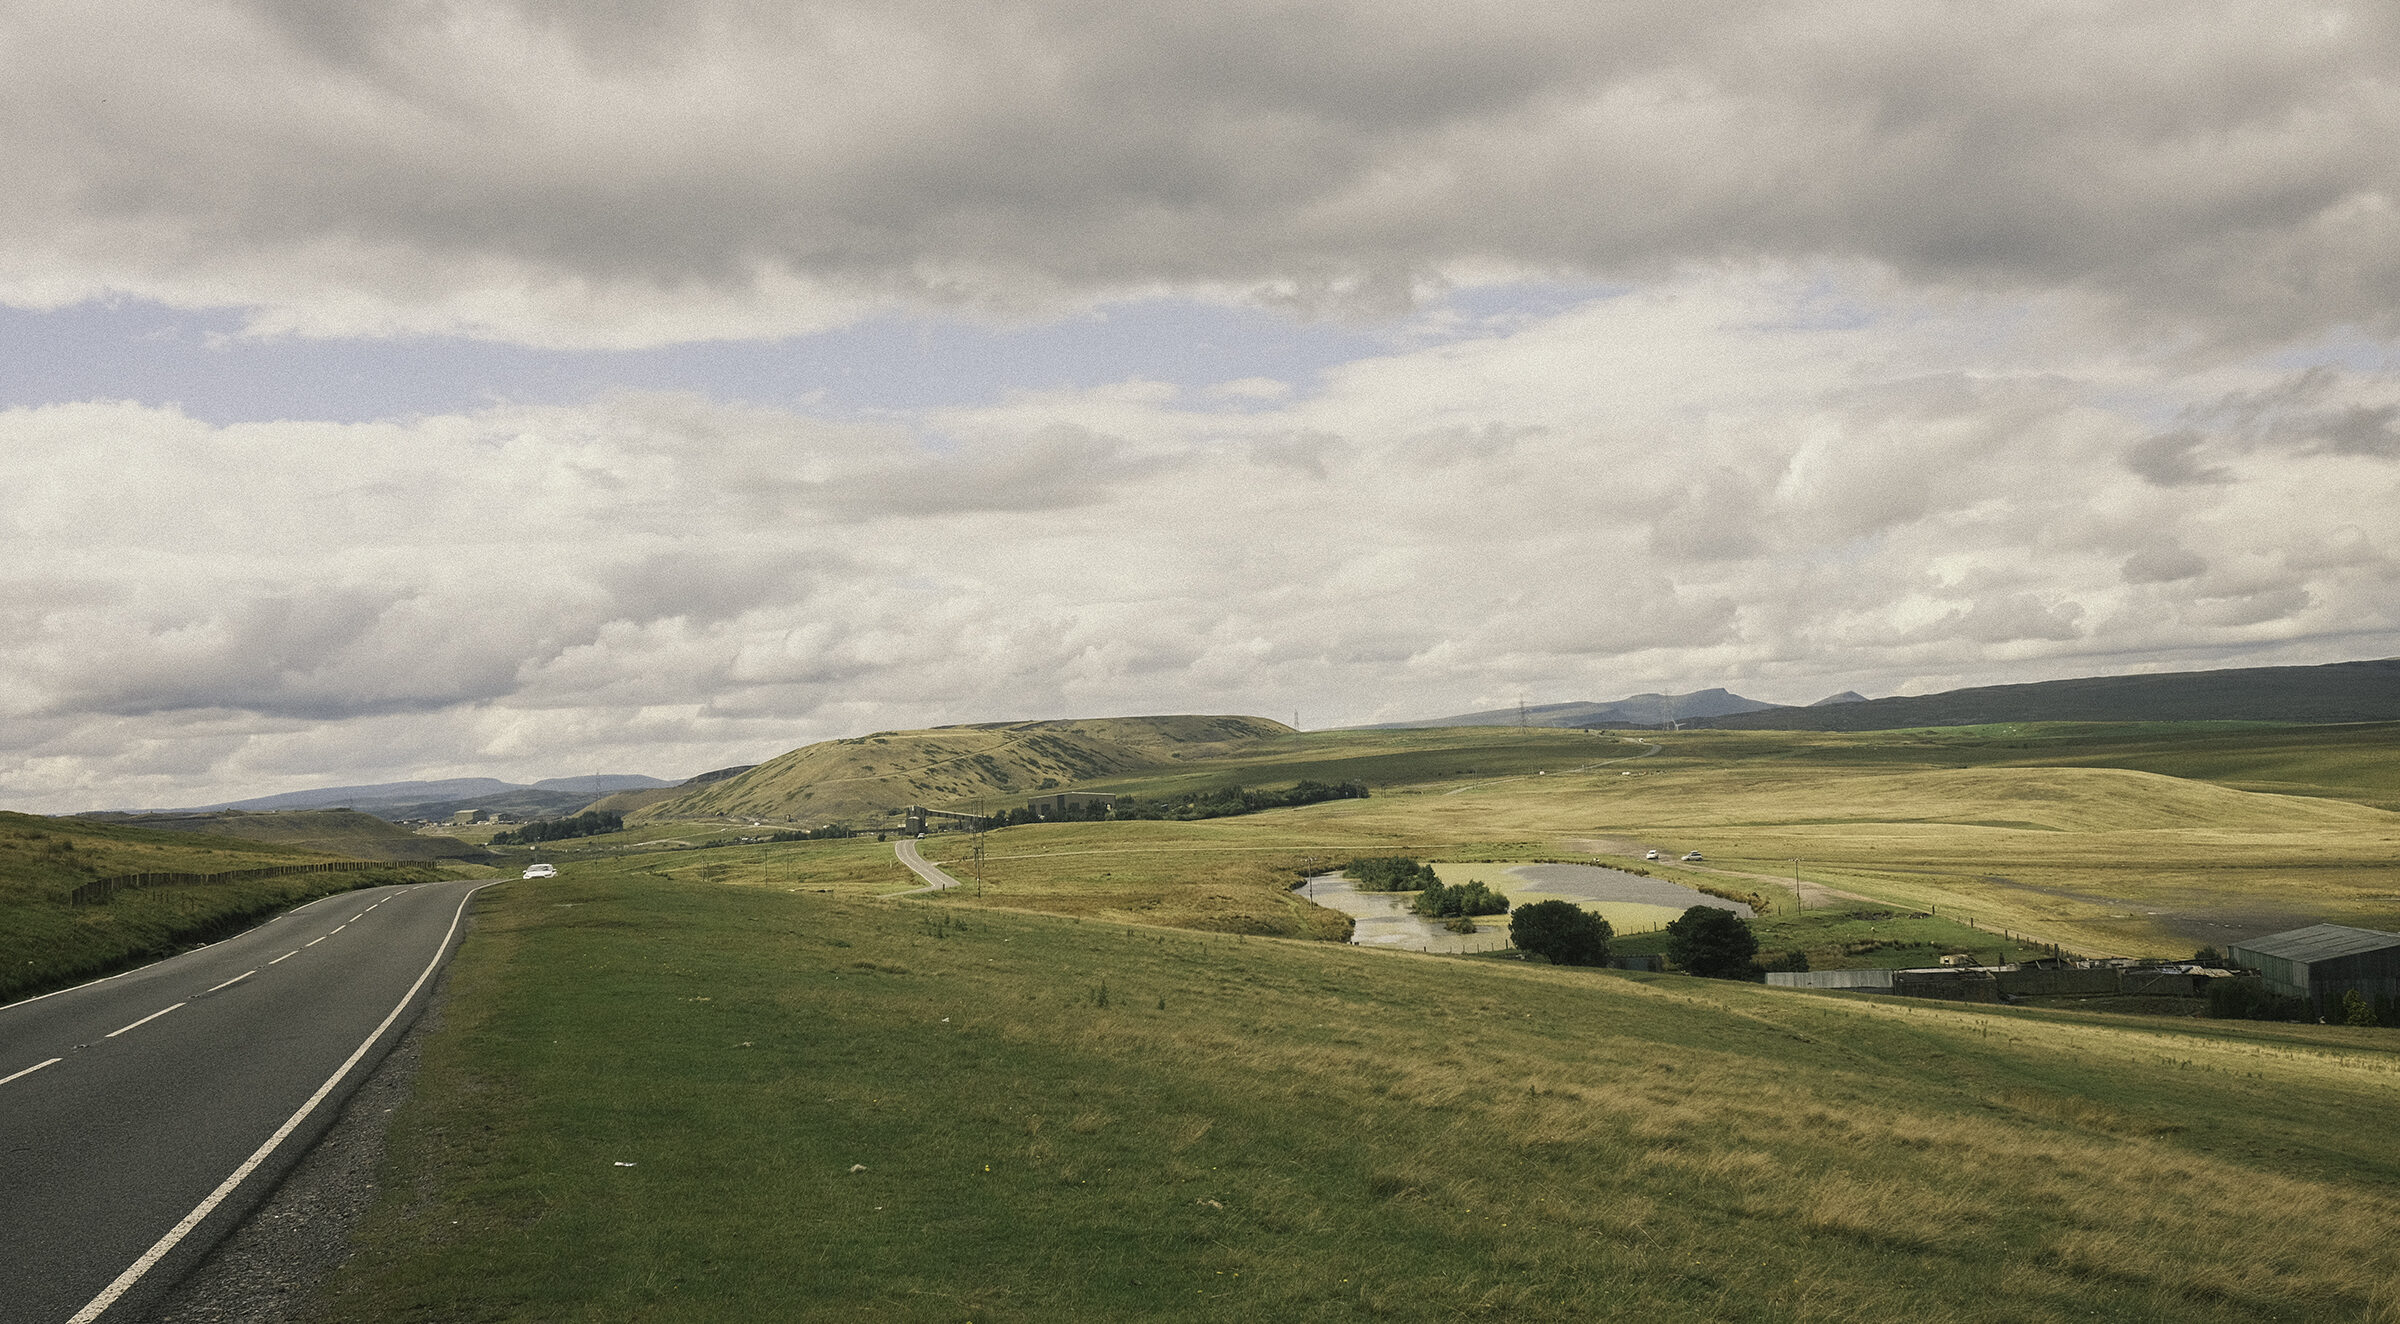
x=657 y=1098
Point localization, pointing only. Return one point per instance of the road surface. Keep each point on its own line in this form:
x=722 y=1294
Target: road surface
x=935 y=879
x=142 y=1116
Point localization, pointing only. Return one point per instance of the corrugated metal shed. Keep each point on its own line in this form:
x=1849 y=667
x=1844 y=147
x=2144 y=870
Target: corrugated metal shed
x=2320 y=942
x=2324 y=961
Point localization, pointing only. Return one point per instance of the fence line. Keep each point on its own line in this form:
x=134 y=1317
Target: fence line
x=100 y=890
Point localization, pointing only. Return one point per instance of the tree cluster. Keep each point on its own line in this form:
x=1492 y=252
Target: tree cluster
x=1389 y=873
x=1216 y=802
x=1712 y=942
x=589 y=823
x=1461 y=901
x=1562 y=932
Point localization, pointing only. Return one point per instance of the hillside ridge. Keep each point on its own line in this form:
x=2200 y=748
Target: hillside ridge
x=2365 y=691
x=864 y=777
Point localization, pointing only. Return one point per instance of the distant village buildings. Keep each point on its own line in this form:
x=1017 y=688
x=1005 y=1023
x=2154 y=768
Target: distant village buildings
x=1067 y=802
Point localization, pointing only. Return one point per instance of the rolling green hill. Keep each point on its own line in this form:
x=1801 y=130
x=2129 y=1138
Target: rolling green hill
x=2340 y=692
x=865 y=777
x=344 y=832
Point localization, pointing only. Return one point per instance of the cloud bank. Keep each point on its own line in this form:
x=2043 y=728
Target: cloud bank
x=1707 y=479
x=642 y=173
x=1795 y=347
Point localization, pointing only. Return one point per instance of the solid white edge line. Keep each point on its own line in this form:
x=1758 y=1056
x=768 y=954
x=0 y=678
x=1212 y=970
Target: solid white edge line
x=31 y=1069
x=140 y=1023
x=133 y=1272
x=238 y=978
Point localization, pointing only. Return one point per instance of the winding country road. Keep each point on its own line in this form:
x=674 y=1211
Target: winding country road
x=143 y=1115
x=935 y=879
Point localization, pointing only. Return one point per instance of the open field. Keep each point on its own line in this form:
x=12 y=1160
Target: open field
x=822 y=1106
x=1979 y=825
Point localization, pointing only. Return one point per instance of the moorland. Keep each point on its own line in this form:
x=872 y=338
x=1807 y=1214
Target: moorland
x=1129 y=1072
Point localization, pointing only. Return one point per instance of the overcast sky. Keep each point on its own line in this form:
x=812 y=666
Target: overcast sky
x=545 y=388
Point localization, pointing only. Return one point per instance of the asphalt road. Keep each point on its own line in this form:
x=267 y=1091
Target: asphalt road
x=936 y=878
x=142 y=1116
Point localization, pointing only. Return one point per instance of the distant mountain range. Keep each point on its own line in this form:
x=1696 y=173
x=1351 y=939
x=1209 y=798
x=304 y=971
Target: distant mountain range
x=1639 y=710
x=441 y=799
x=2336 y=692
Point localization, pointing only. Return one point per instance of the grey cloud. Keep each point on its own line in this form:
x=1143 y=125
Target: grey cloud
x=2200 y=162
x=2163 y=565
x=2171 y=459
x=1058 y=467
x=1305 y=453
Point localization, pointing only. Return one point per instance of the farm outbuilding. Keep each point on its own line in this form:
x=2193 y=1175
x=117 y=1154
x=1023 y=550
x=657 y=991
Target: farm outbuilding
x=2322 y=962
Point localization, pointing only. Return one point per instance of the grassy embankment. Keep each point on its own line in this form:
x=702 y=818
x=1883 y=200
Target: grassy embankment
x=46 y=943
x=834 y=1106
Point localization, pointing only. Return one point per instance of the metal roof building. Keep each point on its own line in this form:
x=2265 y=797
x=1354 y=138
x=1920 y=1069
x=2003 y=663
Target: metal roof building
x=2323 y=961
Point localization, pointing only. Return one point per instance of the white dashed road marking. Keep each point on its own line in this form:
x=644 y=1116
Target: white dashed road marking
x=142 y=1022
x=30 y=1070
x=236 y=979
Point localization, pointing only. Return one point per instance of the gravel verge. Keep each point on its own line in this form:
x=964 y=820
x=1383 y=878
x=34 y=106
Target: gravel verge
x=273 y=1268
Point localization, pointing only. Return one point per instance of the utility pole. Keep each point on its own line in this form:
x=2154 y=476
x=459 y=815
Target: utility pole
x=978 y=844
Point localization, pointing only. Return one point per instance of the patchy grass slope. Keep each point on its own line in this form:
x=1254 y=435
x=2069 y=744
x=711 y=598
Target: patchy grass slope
x=863 y=777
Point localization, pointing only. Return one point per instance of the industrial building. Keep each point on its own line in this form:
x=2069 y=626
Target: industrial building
x=2322 y=962
x=1068 y=802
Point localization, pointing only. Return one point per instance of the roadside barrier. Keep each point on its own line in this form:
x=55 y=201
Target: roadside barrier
x=100 y=890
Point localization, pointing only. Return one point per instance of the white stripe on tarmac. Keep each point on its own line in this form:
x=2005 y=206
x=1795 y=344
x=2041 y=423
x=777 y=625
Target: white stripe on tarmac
x=237 y=978
x=133 y=1272
x=142 y=1022
x=31 y=1069
x=285 y=957
x=314 y=941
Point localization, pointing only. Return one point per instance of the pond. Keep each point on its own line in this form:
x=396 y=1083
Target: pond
x=1383 y=919
x=1630 y=902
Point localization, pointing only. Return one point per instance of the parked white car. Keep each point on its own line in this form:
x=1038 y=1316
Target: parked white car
x=542 y=871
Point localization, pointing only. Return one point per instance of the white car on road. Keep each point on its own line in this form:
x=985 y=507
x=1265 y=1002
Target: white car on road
x=542 y=871
x=1693 y=855
x=1651 y=856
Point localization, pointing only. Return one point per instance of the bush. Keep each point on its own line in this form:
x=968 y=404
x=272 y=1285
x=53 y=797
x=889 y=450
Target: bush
x=1561 y=932
x=1389 y=873
x=2242 y=999
x=1712 y=943
x=2356 y=1010
x=1439 y=902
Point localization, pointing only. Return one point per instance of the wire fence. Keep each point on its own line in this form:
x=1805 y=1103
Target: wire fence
x=100 y=890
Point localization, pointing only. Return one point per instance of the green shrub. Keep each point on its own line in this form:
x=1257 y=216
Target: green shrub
x=1439 y=902
x=1561 y=932
x=2356 y=1010
x=1389 y=873
x=1712 y=942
